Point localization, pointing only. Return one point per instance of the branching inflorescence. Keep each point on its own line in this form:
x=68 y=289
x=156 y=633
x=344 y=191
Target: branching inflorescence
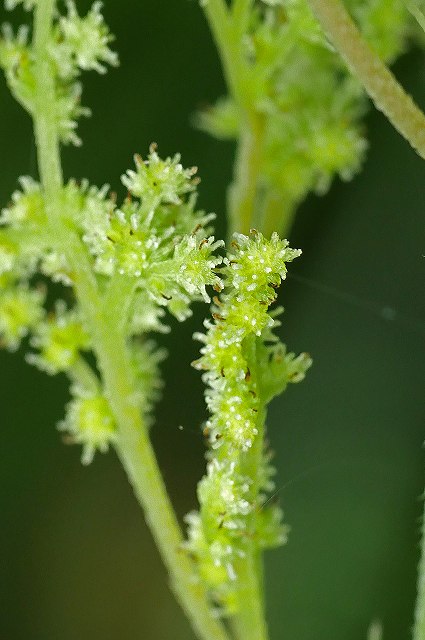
x=293 y=107
x=118 y=268
x=156 y=242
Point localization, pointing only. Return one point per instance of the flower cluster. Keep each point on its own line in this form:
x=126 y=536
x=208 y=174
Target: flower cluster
x=21 y=310
x=76 y=44
x=156 y=245
x=298 y=87
x=89 y=422
x=156 y=238
x=244 y=366
x=60 y=339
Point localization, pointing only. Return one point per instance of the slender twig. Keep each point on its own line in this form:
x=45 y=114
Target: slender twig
x=109 y=343
x=381 y=85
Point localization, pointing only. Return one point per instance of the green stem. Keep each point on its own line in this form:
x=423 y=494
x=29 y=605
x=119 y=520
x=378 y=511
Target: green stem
x=138 y=459
x=419 y=625
x=228 y=30
x=249 y=623
x=44 y=116
x=243 y=192
x=104 y=317
x=228 y=39
x=241 y=13
x=381 y=85
x=276 y=215
x=82 y=374
x=120 y=292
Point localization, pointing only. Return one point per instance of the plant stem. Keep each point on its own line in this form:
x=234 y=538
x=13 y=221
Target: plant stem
x=138 y=459
x=381 y=85
x=44 y=117
x=82 y=374
x=243 y=192
x=104 y=318
x=228 y=30
x=249 y=623
x=277 y=215
x=228 y=43
x=419 y=624
x=241 y=12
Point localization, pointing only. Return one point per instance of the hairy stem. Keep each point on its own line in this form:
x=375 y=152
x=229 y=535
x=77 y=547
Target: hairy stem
x=419 y=624
x=381 y=85
x=109 y=342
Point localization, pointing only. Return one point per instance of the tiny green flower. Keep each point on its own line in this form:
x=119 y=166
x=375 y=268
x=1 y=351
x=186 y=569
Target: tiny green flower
x=158 y=181
x=27 y=206
x=85 y=40
x=60 y=338
x=89 y=422
x=21 y=311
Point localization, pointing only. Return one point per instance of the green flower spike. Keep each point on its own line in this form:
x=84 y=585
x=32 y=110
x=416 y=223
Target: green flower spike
x=244 y=366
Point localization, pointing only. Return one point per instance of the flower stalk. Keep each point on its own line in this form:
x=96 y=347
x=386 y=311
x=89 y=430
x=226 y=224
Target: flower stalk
x=110 y=346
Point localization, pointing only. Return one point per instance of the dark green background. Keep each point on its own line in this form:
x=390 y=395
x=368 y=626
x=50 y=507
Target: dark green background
x=76 y=559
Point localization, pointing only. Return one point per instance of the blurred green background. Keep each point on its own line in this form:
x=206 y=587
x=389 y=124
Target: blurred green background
x=76 y=559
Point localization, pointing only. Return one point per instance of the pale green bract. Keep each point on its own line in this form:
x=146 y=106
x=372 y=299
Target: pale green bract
x=244 y=367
